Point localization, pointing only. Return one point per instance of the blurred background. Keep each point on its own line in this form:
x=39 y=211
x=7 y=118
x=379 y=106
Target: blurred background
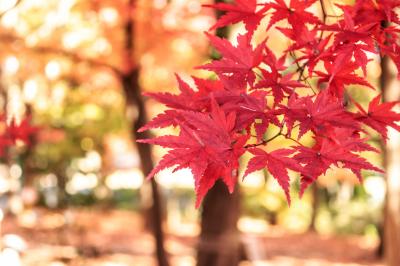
x=76 y=195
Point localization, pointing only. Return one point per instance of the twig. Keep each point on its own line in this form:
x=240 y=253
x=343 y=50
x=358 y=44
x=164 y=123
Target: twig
x=264 y=142
x=51 y=50
x=10 y=8
x=324 y=14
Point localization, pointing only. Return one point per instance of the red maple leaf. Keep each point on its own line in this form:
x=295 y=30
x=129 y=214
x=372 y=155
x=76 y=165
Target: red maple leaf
x=379 y=116
x=388 y=7
x=313 y=47
x=189 y=98
x=21 y=131
x=340 y=73
x=207 y=145
x=273 y=81
x=295 y=13
x=318 y=160
x=236 y=61
x=318 y=115
x=277 y=163
x=280 y=86
x=240 y=11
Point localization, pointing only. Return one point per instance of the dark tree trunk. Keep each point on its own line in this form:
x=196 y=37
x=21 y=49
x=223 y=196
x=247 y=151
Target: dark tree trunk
x=135 y=101
x=220 y=243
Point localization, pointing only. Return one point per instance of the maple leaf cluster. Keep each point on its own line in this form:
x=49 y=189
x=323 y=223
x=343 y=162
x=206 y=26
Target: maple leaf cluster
x=13 y=132
x=303 y=90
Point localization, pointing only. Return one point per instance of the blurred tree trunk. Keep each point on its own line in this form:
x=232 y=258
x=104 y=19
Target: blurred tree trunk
x=315 y=207
x=391 y=225
x=220 y=243
x=135 y=102
x=129 y=78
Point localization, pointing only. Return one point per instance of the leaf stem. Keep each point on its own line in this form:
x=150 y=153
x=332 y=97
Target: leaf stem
x=264 y=142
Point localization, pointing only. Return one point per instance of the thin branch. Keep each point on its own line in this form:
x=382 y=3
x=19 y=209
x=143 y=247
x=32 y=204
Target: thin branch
x=73 y=56
x=264 y=142
x=291 y=138
x=300 y=70
x=10 y=8
x=324 y=14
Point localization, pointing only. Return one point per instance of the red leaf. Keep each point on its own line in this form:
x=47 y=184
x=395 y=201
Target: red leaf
x=277 y=164
x=318 y=115
x=379 y=116
x=295 y=13
x=206 y=145
x=21 y=131
x=324 y=154
x=339 y=74
x=239 y=60
x=240 y=11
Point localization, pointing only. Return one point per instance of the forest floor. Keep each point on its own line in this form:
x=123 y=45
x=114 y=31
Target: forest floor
x=117 y=238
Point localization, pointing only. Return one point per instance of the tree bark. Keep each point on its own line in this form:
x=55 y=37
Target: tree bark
x=390 y=87
x=220 y=243
x=135 y=101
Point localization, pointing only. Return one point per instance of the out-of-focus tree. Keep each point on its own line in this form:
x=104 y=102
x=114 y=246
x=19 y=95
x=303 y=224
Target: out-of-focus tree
x=51 y=47
x=391 y=225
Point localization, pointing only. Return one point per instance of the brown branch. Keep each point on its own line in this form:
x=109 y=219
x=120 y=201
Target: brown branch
x=73 y=56
x=10 y=8
x=324 y=14
x=264 y=142
x=300 y=69
x=280 y=133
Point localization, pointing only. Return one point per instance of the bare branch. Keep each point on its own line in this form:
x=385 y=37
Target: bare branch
x=73 y=56
x=10 y=8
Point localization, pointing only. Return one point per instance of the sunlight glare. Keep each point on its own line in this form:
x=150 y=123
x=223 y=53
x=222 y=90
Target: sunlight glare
x=15 y=107
x=53 y=70
x=80 y=182
x=109 y=16
x=5 y=5
x=71 y=40
x=182 y=178
x=376 y=188
x=10 y=257
x=10 y=19
x=11 y=65
x=30 y=90
x=160 y=4
x=194 y=6
x=125 y=179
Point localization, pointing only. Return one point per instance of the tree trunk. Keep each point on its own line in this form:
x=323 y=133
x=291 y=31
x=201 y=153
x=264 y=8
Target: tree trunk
x=135 y=101
x=390 y=87
x=315 y=207
x=220 y=243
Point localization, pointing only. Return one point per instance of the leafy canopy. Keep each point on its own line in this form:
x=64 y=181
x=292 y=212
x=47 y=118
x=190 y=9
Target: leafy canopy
x=305 y=88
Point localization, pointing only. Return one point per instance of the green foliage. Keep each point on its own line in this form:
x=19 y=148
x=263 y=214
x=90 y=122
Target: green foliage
x=82 y=124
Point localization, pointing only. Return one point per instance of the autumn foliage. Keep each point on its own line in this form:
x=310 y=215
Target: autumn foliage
x=259 y=96
x=14 y=131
